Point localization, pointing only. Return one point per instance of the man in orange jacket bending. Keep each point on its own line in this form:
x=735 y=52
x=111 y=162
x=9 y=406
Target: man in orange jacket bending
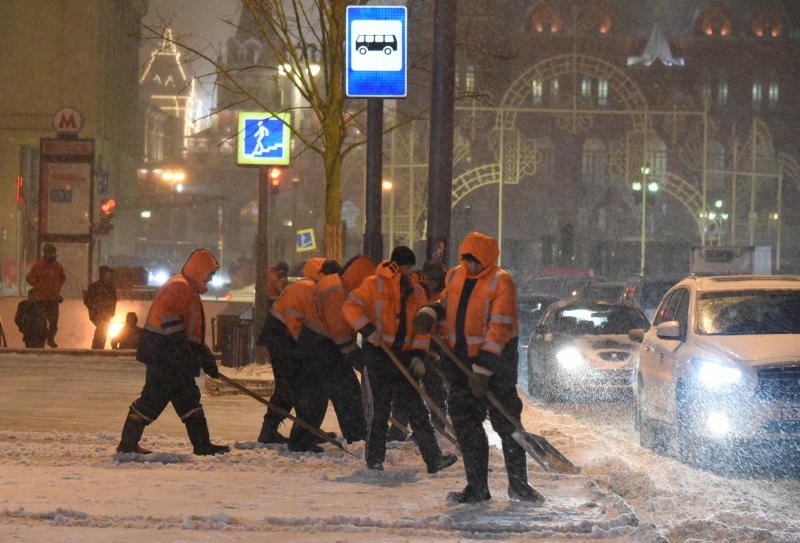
x=382 y=310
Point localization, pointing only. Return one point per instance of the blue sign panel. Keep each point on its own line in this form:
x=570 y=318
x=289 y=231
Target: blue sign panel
x=263 y=138
x=305 y=240
x=376 y=51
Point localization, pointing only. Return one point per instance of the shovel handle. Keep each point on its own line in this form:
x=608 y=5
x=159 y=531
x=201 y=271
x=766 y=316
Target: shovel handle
x=431 y=405
x=313 y=429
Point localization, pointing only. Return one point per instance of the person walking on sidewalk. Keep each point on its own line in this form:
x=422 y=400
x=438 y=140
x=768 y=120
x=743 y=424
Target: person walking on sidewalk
x=47 y=277
x=478 y=311
x=173 y=348
x=279 y=335
x=382 y=310
x=101 y=301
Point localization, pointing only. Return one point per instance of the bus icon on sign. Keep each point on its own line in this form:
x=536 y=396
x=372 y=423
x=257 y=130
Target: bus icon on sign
x=376 y=42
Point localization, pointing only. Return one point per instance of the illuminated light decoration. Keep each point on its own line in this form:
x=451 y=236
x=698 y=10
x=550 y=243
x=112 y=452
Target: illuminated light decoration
x=653 y=186
x=774 y=216
x=636 y=185
x=718 y=204
x=145 y=214
x=712 y=216
x=724 y=216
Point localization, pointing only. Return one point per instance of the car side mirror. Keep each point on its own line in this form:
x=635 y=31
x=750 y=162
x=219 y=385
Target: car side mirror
x=636 y=335
x=669 y=330
x=540 y=329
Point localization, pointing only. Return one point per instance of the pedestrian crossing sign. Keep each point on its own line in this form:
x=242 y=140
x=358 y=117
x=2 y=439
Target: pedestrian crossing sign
x=305 y=240
x=264 y=138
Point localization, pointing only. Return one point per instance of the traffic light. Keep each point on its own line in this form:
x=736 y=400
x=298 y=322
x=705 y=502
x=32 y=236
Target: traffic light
x=274 y=178
x=104 y=225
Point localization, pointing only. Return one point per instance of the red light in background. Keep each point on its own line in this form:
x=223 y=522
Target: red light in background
x=108 y=206
x=20 y=194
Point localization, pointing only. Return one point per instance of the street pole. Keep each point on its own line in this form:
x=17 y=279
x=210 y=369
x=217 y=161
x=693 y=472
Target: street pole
x=262 y=253
x=440 y=169
x=373 y=242
x=645 y=169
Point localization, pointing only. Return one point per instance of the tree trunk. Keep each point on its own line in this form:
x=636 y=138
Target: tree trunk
x=333 y=205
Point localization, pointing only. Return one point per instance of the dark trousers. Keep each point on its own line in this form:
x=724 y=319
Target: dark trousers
x=468 y=413
x=51 y=317
x=100 y=333
x=326 y=375
x=165 y=384
x=388 y=385
x=436 y=389
x=284 y=368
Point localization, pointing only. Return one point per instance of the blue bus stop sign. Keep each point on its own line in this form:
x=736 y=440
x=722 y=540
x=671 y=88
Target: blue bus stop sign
x=376 y=51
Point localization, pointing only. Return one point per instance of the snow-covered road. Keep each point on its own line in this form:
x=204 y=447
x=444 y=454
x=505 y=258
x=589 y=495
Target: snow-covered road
x=60 y=481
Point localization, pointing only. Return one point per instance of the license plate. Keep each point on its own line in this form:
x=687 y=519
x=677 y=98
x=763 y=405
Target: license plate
x=790 y=413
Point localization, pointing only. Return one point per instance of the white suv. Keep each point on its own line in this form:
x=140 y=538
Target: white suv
x=721 y=365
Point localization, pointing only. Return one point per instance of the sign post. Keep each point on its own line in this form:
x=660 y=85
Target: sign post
x=263 y=140
x=376 y=55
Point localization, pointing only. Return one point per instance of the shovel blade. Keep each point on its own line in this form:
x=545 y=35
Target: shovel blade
x=545 y=453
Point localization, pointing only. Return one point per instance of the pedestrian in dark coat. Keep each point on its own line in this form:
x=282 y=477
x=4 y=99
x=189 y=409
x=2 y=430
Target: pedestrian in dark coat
x=128 y=337
x=30 y=319
x=101 y=300
x=47 y=277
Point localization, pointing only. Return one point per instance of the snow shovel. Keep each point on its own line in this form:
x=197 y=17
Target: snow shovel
x=431 y=405
x=313 y=429
x=541 y=450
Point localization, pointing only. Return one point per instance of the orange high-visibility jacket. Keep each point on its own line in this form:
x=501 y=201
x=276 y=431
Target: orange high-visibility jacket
x=376 y=305
x=329 y=295
x=491 y=320
x=177 y=309
x=296 y=300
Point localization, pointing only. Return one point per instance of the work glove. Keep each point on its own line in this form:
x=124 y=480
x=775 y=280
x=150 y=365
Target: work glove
x=417 y=368
x=479 y=384
x=209 y=364
x=424 y=321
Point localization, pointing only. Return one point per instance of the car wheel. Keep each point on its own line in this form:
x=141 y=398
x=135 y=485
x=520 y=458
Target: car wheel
x=691 y=448
x=362 y=50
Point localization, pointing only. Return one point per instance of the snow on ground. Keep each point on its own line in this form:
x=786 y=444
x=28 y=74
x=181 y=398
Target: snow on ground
x=60 y=479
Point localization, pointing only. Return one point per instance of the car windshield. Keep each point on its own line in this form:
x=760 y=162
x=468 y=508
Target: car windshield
x=749 y=312
x=600 y=319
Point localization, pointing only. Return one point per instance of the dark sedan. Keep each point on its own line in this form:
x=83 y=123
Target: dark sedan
x=583 y=346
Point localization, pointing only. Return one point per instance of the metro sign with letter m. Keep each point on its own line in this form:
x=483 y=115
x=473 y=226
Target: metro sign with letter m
x=67 y=121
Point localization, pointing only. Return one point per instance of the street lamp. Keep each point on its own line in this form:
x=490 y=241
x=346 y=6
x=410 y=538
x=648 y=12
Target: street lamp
x=645 y=172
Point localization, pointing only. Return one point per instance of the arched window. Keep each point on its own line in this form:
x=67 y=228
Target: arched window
x=767 y=22
x=714 y=20
x=594 y=161
x=546 y=19
x=595 y=18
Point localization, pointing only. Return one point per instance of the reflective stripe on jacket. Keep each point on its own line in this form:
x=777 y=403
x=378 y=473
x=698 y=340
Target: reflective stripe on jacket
x=377 y=302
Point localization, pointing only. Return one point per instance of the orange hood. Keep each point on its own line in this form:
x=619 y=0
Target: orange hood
x=482 y=247
x=198 y=267
x=313 y=268
x=356 y=270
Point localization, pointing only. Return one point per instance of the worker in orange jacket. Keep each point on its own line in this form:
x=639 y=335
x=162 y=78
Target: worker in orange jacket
x=47 y=277
x=172 y=345
x=276 y=280
x=279 y=334
x=478 y=312
x=382 y=310
x=330 y=354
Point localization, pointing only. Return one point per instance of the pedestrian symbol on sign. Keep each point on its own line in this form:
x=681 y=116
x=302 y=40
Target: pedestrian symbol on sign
x=305 y=240
x=264 y=138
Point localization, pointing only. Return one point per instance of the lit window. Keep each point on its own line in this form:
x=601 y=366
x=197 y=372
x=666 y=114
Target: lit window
x=773 y=94
x=586 y=87
x=536 y=91
x=469 y=79
x=554 y=89
x=722 y=93
x=756 y=94
x=602 y=92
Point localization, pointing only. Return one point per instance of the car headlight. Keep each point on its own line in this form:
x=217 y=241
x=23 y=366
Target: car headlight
x=570 y=358
x=715 y=374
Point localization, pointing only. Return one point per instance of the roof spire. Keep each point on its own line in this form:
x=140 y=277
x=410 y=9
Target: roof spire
x=656 y=48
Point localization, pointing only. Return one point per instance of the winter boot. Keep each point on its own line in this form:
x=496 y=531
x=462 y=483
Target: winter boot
x=310 y=447
x=446 y=460
x=469 y=495
x=132 y=433
x=197 y=428
x=375 y=466
x=271 y=435
x=517 y=470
